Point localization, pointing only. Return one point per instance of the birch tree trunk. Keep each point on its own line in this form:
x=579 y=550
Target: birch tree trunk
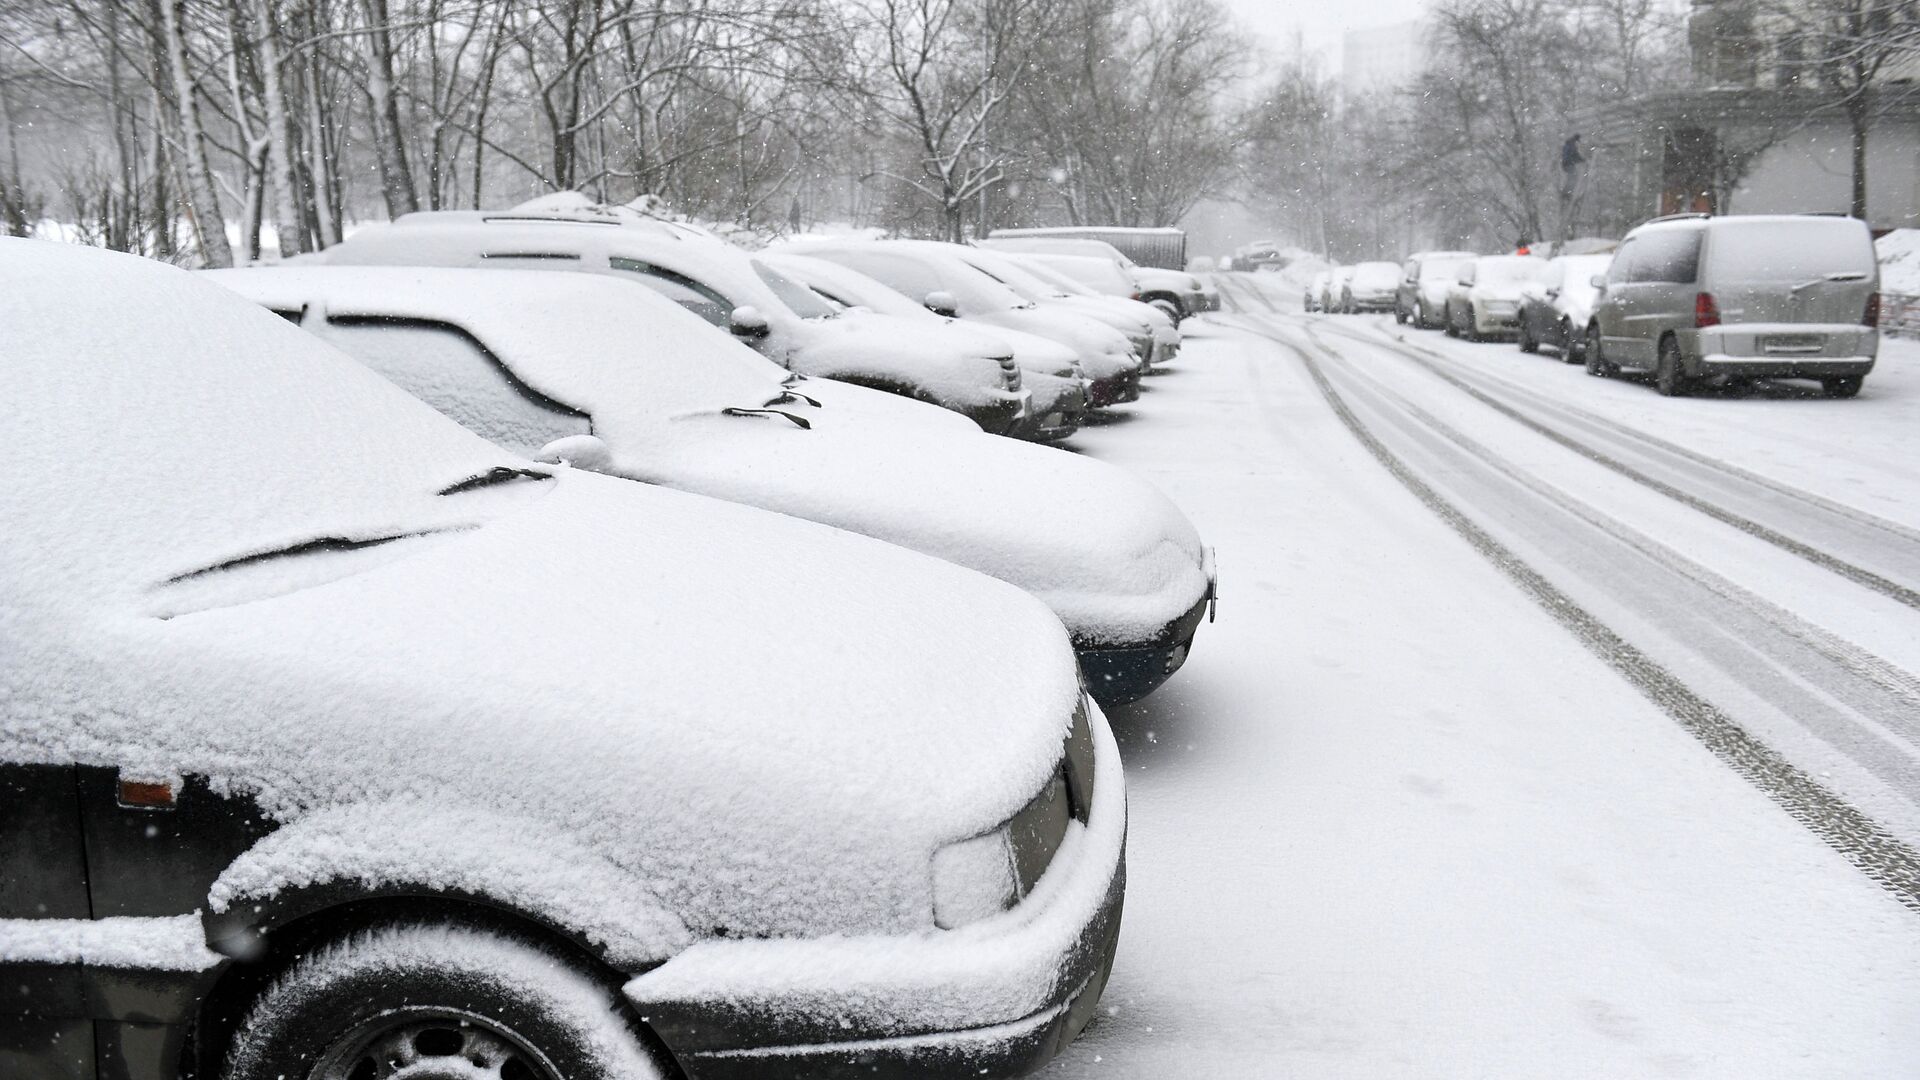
x=203 y=205
x=396 y=175
x=287 y=222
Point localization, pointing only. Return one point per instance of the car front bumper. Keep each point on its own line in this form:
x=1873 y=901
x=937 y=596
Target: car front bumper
x=1059 y=408
x=1114 y=389
x=997 y=998
x=1002 y=416
x=1118 y=675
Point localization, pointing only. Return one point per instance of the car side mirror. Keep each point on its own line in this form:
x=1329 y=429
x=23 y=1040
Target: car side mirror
x=587 y=452
x=941 y=302
x=1553 y=292
x=747 y=322
x=1599 y=281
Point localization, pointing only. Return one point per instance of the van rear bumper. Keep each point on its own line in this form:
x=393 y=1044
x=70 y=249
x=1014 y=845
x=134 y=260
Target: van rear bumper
x=1781 y=350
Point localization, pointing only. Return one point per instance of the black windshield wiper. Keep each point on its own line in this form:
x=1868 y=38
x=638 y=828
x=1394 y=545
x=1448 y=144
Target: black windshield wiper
x=499 y=474
x=305 y=547
x=800 y=422
x=789 y=397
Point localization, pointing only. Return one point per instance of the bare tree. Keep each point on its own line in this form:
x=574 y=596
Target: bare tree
x=1845 y=49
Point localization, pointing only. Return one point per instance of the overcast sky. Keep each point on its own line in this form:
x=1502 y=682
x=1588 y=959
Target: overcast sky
x=1320 y=23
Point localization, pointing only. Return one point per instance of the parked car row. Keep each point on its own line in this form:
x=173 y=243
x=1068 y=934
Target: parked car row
x=1684 y=300
x=540 y=646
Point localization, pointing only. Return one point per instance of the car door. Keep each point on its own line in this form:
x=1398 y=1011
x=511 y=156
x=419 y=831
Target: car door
x=1615 y=305
x=1666 y=270
x=44 y=1032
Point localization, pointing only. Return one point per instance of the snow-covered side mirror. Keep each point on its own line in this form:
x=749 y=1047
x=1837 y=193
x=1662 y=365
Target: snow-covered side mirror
x=941 y=302
x=587 y=452
x=1599 y=281
x=747 y=322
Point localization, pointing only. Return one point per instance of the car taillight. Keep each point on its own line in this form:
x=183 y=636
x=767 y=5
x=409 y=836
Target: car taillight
x=1705 y=312
x=1872 y=318
x=1134 y=296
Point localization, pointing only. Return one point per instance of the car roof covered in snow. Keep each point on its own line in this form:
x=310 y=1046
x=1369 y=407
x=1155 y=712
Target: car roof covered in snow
x=551 y=330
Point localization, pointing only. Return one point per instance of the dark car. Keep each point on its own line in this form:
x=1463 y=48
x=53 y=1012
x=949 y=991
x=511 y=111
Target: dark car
x=338 y=743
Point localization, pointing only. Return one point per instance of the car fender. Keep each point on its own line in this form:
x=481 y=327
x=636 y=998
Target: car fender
x=411 y=848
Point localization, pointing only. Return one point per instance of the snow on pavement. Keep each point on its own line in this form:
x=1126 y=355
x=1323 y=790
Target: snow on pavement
x=1393 y=820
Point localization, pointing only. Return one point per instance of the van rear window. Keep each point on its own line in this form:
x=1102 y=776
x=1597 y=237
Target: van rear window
x=1789 y=252
x=1666 y=255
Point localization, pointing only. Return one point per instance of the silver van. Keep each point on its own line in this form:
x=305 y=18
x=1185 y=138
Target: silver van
x=1692 y=297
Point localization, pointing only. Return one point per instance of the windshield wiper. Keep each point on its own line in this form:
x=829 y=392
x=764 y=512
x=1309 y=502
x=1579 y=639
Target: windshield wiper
x=1836 y=276
x=800 y=422
x=305 y=547
x=789 y=397
x=499 y=474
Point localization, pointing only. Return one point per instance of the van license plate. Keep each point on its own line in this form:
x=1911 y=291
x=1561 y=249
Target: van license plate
x=1792 y=343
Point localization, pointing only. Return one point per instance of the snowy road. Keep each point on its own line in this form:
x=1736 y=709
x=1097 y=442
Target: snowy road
x=1550 y=727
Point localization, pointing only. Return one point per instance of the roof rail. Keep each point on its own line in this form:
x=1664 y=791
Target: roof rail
x=1695 y=216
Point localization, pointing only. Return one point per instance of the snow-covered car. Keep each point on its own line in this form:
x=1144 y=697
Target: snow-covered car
x=1166 y=333
x=1048 y=369
x=730 y=289
x=1371 y=287
x=1484 y=299
x=1142 y=325
x=1175 y=292
x=1315 y=296
x=535 y=362
x=949 y=285
x=1555 y=310
x=1422 y=295
x=337 y=742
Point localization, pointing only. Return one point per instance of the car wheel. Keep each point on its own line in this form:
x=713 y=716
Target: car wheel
x=1844 y=386
x=1171 y=309
x=1572 y=348
x=1399 y=315
x=1668 y=378
x=1451 y=325
x=1470 y=325
x=1528 y=343
x=1597 y=364
x=437 y=1001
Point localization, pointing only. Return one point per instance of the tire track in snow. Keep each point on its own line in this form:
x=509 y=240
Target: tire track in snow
x=1814 y=505
x=1777 y=655
x=1877 y=853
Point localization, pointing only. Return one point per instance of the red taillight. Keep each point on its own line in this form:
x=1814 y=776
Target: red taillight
x=1872 y=317
x=1705 y=312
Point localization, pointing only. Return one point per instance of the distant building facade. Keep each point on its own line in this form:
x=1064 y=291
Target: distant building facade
x=1755 y=133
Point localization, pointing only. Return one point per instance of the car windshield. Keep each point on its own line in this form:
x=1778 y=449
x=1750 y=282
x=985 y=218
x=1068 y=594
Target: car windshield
x=799 y=299
x=1789 y=252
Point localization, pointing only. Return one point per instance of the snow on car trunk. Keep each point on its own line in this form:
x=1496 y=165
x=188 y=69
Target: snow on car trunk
x=733 y=721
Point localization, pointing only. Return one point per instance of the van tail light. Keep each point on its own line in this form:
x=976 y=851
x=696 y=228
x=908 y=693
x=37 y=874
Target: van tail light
x=1705 y=311
x=1871 y=319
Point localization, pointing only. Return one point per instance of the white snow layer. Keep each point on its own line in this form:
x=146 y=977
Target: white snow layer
x=170 y=943
x=1113 y=557
x=757 y=723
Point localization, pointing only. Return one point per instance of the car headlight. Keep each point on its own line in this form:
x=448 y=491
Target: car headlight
x=1142 y=345
x=984 y=875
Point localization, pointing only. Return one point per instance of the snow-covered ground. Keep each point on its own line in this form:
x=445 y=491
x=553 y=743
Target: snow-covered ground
x=1395 y=818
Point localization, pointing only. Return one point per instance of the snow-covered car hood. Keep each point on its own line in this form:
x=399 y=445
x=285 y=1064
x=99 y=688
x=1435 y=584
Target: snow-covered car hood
x=1111 y=555
x=958 y=365
x=1103 y=352
x=744 y=720
x=1153 y=278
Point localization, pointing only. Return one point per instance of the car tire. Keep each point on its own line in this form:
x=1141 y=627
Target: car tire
x=1597 y=364
x=1528 y=343
x=1842 y=386
x=1171 y=309
x=1452 y=326
x=1572 y=348
x=1668 y=376
x=1399 y=315
x=477 y=1001
x=1470 y=327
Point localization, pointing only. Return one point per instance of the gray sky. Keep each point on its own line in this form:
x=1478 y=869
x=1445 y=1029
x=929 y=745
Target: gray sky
x=1320 y=23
